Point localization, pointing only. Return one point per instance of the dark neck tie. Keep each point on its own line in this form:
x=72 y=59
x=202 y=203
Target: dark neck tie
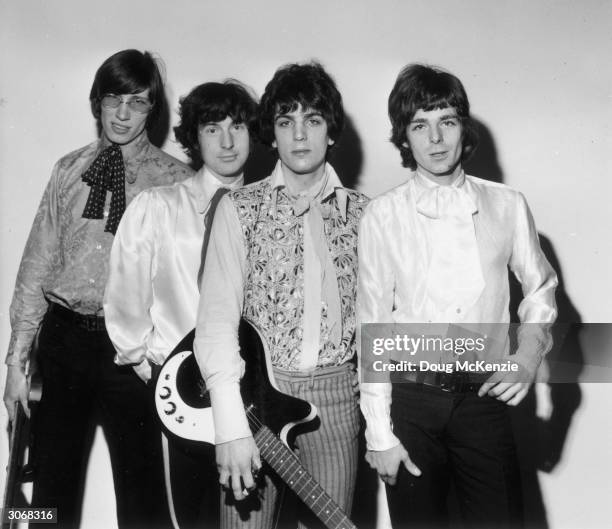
x=106 y=173
x=208 y=221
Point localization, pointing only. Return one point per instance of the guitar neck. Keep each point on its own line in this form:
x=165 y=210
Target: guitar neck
x=287 y=465
x=16 y=445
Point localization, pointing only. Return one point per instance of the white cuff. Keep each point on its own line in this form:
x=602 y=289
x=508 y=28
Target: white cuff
x=228 y=413
x=379 y=435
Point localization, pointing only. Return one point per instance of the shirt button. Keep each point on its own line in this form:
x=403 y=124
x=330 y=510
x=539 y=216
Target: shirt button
x=92 y=281
x=458 y=311
x=98 y=246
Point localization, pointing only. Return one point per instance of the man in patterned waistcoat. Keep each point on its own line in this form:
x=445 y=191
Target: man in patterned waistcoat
x=59 y=291
x=283 y=255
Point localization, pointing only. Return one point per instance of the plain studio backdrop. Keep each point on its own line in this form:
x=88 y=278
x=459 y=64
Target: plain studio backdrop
x=539 y=79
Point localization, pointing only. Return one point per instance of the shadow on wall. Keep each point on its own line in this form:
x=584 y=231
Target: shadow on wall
x=483 y=162
x=260 y=163
x=347 y=155
x=541 y=441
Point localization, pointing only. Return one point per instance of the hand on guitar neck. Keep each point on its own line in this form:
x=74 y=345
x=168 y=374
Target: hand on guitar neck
x=17 y=390
x=236 y=461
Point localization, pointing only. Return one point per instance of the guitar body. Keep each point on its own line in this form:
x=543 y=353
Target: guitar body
x=183 y=406
x=183 y=402
x=17 y=470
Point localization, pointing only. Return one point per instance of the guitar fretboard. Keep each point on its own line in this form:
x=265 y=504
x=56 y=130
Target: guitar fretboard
x=287 y=465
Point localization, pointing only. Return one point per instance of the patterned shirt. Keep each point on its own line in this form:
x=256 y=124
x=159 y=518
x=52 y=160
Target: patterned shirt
x=65 y=260
x=255 y=268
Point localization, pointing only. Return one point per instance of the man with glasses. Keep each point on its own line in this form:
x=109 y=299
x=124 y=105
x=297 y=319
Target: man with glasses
x=58 y=299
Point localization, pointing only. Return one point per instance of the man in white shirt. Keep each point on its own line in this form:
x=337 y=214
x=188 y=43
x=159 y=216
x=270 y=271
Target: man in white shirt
x=152 y=292
x=437 y=249
x=282 y=255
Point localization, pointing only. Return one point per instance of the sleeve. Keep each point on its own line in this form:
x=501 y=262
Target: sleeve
x=375 y=287
x=129 y=289
x=40 y=261
x=538 y=309
x=220 y=308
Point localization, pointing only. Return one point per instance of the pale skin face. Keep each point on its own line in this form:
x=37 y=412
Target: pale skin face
x=123 y=125
x=301 y=139
x=225 y=147
x=435 y=138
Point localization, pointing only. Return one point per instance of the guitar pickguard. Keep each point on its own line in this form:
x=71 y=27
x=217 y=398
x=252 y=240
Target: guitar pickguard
x=188 y=422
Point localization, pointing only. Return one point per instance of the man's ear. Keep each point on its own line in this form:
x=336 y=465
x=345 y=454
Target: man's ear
x=274 y=143
x=330 y=142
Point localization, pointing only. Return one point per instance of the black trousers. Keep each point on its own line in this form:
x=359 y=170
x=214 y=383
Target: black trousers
x=194 y=485
x=459 y=439
x=81 y=386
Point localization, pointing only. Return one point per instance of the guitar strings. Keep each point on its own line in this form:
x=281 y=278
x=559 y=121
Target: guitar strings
x=337 y=512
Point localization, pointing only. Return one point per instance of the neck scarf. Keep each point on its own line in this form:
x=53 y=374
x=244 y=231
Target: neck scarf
x=106 y=173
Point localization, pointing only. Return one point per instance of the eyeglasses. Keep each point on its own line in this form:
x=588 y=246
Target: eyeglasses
x=137 y=104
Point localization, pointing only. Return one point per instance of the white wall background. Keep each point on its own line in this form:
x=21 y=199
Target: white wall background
x=538 y=74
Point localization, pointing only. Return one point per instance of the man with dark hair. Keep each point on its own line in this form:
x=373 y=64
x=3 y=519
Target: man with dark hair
x=152 y=292
x=58 y=298
x=436 y=249
x=282 y=255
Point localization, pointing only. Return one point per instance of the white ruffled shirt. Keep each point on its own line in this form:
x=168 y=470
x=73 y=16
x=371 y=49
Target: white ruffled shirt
x=151 y=296
x=410 y=235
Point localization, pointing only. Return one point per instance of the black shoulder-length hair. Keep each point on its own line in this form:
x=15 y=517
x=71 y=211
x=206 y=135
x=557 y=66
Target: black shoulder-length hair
x=131 y=72
x=212 y=102
x=308 y=85
x=428 y=88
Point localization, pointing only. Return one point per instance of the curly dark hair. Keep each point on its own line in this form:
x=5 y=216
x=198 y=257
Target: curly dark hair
x=212 y=102
x=308 y=85
x=428 y=88
x=130 y=72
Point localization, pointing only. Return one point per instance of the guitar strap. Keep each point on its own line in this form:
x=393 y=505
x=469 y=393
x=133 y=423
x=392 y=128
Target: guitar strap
x=208 y=221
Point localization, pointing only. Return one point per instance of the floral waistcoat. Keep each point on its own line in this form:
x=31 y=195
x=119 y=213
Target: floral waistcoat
x=273 y=293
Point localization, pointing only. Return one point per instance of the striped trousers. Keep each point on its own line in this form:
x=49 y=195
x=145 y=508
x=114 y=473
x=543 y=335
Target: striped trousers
x=329 y=453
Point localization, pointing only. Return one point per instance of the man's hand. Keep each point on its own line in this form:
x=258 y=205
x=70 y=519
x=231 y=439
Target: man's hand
x=387 y=462
x=236 y=461
x=509 y=387
x=16 y=390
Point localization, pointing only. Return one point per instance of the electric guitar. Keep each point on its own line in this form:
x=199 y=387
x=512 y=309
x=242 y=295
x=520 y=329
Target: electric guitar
x=183 y=405
x=17 y=471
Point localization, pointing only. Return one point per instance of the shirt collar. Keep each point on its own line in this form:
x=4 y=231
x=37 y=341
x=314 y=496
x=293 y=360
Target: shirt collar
x=332 y=185
x=206 y=184
x=424 y=183
x=133 y=150
x=462 y=182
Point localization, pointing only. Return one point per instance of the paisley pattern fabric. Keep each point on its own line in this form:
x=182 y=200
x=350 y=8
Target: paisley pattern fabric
x=274 y=292
x=66 y=258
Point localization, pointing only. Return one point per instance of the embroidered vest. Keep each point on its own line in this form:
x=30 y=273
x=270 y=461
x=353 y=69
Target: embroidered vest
x=274 y=286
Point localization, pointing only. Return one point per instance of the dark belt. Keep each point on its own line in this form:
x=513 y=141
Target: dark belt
x=455 y=382
x=88 y=322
